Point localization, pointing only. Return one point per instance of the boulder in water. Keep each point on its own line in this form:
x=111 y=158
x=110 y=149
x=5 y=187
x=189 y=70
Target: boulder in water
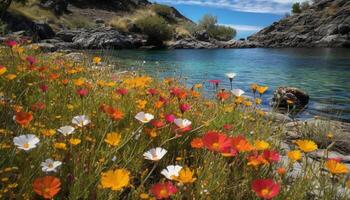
x=290 y=95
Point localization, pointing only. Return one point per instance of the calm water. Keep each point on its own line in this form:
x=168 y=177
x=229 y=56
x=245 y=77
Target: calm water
x=323 y=73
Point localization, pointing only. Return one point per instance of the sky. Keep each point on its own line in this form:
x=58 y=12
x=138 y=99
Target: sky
x=246 y=16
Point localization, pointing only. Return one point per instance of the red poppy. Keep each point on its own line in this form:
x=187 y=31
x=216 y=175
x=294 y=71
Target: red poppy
x=157 y=123
x=265 y=188
x=197 y=143
x=82 y=92
x=163 y=190
x=184 y=107
x=65 y=82
x=222 y=96
x=23 y=118
x=271 y=156
x=215 y=141
x=43 y=87
x=47 y=186
x=121 y=91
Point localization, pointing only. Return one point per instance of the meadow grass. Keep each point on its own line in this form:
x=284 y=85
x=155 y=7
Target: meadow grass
x=229 y=150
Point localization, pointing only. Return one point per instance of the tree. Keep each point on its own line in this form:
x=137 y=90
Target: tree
x=296 y=8
x=219 y=32
x=208 y=22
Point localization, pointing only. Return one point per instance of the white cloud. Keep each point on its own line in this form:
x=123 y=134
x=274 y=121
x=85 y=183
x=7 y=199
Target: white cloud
x=240 y=27
x=256 y=6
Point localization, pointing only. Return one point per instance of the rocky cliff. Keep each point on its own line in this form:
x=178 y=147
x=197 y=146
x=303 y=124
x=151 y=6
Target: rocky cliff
x=325 y=24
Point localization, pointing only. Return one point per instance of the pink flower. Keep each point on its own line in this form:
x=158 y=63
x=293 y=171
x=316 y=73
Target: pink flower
x=170 y=118
x=43 y=87
x=271 y=156
x=214 y=81
x=184 y=107
x=10 y=43
x=31 y=60
x=152 y=91
x=82 y=92
x=163 y=190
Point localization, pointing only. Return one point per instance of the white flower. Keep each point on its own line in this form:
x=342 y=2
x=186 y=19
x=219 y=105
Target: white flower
x=81 y=120
x=155 y=154
x=237 y=92
x=26 y=142
x=182 y=123
x=66 y=130
x=231 y=75
x=144 y=117
x=50 y=165
x=171 y=171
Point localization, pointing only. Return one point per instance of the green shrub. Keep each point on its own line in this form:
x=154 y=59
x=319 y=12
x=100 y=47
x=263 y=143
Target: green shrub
x=222 y=33
x=296 y=8
x=163 y=11
x=156 y=28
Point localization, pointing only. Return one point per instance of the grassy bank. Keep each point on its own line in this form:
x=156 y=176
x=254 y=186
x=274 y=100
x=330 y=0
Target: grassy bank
x=98 y=127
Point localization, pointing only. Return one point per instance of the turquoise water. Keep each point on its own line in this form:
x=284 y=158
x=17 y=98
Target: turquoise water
x=323 y=73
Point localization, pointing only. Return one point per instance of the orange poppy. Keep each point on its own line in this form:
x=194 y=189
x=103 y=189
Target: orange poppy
x=241 y=144
x=47 y=186
x=197 y=143
x=222 y=96
x=114 y=113
x=23 y=118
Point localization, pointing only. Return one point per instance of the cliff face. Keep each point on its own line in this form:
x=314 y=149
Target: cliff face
x=325 y=24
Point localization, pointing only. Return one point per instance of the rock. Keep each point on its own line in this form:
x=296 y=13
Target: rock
x=99 y=21
x=202 y=35
x=67 y=35
x=277 y=117
x=47 y=47
x=58 y=6
x=75 y=57
x=191 y=43
x=324 y=24
x=324 y=154
x=43 y=30
x=283 y=94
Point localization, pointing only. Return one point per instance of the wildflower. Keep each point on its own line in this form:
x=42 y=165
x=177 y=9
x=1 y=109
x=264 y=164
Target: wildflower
x=170 y=118
x=31 y=60
x=281 y=171
x=157 y=123
x=254 y=86
x=155 y=154
x=26 y=142
x=215 y=81
x=184 y=107
x=43 y=87
x=265 y=188
x=171 y=172
x=144 y=117
x=182 y=123
x=336 y=167
x=81 y=120
x=231 y=75
x=79 y=82
x=74 y=141
x=10 y=43
x=248 y=103
x=215 y=141
x=50 y=165
x=185 y=176
x=122 y=91
x=163 y=190
x=2 y=70
x=271 y=156
x=197 y=143
x=237 y=92
x=47 y=186
x=294 y=155
x=144 y=196
x=262 y=89
x=66 y=130
x=223 y=96
x=48 y=133
x=255 y=160
x=241 y=144
x=115 y=179
x=82 y=92
x=23 y=118
x=113 y=139
x=114 y=113
x=141 y=104
x=60 y=145
x=96 y=60
x=261 y=145
x=258 y=101
x=38 y=106
x=9 y=76
x=152 y=91
x=306 y=145
x=227 y=127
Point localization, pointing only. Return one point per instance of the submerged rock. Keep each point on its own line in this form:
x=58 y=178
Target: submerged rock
x=285 y=96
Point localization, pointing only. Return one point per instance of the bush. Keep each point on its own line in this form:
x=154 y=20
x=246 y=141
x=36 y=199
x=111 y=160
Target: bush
x=163 y=11
x=156 y=28
x=222 y=33
x=121 y=24
x=296 y=8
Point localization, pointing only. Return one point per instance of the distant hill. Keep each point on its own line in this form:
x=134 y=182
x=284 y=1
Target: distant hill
x=325 y=24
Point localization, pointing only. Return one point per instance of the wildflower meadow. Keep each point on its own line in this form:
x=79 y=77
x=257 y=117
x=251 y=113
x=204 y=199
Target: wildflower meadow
x=83 y=130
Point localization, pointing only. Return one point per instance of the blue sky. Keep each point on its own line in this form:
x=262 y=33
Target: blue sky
x=246 y=16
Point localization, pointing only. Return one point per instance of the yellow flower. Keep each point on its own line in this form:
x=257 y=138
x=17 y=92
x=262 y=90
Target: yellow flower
x=96 y=60
x=185 y=176
x=79 y=81
x=336 y=167
x=262 y=89
x=101 y=83
x=306 y=145
x=115 y=180
x=2 y=70
x=348 y=184
x=113 y=139
x=198 y=85
x=261 y=145
x=60 y=145
x=144 y=196
x=70 y=107
x=110 y=84
x=258 y=101
x=254 y=86
x=10 y=76
x=248 y=103
x=48 y=132
x=141 y=104
x=294 y=155
x=74 y=141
